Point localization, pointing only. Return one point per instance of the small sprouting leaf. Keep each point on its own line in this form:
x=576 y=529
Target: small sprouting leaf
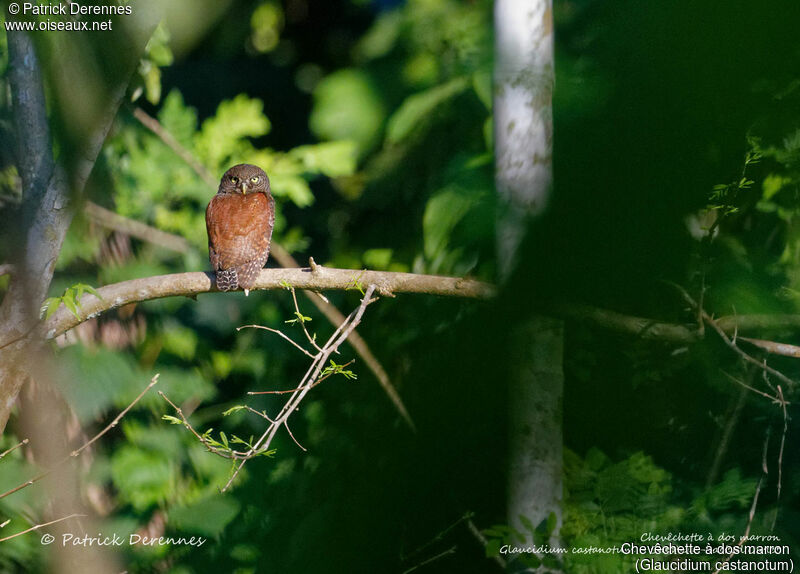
x=171 y=420
x=356 y=284
x=82 y=288
x=299 y=318
x=233 y=410
x=224 y=438
x=50 y=306
x=69 y=302
x=285 y=285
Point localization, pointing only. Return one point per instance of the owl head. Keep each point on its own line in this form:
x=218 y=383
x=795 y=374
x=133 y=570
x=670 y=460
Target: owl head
x=244 y=178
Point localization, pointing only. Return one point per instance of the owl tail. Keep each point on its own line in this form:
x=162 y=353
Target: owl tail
x=227 y=279
x=243 y=276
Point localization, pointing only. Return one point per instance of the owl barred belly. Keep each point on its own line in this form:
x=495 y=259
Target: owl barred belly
x=239 y=221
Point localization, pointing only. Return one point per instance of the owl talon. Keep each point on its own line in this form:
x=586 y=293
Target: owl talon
x=246 y=292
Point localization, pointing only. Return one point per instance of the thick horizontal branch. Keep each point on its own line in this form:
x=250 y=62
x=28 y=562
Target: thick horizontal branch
x=318 y=278
x=640 y=326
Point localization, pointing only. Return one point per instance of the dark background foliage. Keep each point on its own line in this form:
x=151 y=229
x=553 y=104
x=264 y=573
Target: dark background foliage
x=655 y=104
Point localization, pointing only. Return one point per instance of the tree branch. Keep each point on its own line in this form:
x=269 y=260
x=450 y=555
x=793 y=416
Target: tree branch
x=640 y=326
x=122 y=224
x=321 y=278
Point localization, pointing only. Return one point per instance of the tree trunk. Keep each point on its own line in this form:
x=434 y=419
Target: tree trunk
x=523 y=140
x=48 y=191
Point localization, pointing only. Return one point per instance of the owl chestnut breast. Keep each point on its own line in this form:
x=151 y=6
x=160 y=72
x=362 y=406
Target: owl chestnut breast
x=239 y=221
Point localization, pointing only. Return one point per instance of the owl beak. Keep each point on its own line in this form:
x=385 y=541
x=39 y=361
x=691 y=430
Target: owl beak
x=244 y=188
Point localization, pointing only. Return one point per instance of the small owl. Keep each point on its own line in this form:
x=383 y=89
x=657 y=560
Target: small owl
x=239 y=221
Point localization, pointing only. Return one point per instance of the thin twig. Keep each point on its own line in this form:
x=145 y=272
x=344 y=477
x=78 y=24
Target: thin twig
x=299 y=317
x=75 y=453
x=291 y=434
x=448 y=552
x=317 y=382
x=727 y=433
x=114 y=423
x=259 y=413
x=233 y=454
x=731 y=343
x=155 y=126
x=307 y=382
x=746 y=386
x=783 y=443
x=38 y=526
x=753 y=506
x=482 y=539
x=355 y=340
x=15 y=447
x=277 y=332
x=439 y=536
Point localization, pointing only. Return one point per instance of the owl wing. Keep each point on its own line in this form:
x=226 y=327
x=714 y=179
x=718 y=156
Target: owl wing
x=239 y=230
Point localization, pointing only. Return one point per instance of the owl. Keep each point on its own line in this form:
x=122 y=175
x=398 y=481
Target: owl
x=239 y=221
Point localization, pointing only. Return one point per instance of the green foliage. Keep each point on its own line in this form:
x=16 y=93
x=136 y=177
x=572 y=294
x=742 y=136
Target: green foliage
x=71 y=299
x=335 y=369
x=725 y=197
x=206 y=517
x=157 y=55
x=429 y=61
x=298 y=318
x=347 y=106
x=153 y=184
x=266 y=24
x=144 y=479
x=418 y=108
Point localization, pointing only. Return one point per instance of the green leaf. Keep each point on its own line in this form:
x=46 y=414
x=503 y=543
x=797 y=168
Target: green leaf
x=348 y=106
x=552 y=522
x=207 y=517
x=222 y=136
x=418 y=108
x=69 y=302
x=293 y=187
x=482 y=84
x=381 y=37
x=50 y=306
x=144 y=479
x=525 y=521
x=171 y=420
x=333 y=159
x=493 y=547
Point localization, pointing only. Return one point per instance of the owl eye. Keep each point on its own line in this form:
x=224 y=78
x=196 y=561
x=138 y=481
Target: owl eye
x=234 y=179
x=254 y=179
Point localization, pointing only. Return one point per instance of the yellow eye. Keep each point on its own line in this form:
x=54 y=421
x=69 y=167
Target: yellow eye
x=234 y=179
x=254 y=179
